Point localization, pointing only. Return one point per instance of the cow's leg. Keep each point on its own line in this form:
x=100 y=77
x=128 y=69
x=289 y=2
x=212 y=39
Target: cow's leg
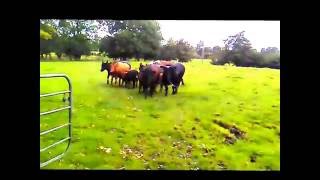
x=174 y=89
x=145 y=90
x=182 y=81
x=108 y=78
x=140 y=85
x=115 y=80
x=133 y=84
x=161 y=86
x=166 y=90
x=152 y=90
x=112 y=80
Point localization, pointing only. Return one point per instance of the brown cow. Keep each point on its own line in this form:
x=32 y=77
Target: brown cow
x=119 y=69
x=115 y=69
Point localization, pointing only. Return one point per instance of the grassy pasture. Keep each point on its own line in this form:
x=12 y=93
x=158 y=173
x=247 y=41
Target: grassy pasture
x=223 y=118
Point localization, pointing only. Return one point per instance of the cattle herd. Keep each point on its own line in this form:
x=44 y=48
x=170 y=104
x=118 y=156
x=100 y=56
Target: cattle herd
x=149 y=76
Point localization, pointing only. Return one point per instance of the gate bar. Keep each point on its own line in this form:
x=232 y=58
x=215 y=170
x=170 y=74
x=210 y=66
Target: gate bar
x=51 y=160
x=54 y=144
x=55 y=110
x=52 y=94
x=53 y=129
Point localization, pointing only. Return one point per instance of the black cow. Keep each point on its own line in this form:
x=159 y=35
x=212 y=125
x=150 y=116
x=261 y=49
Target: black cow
x=172 y=75
x=149 y=77
x=131 y=76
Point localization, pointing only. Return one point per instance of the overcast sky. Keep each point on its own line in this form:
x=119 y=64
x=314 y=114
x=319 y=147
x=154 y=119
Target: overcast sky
x=261 y=34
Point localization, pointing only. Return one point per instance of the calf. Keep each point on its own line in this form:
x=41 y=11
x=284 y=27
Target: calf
x=131 y=76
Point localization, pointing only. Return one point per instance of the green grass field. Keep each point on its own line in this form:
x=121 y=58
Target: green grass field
x=223 y=118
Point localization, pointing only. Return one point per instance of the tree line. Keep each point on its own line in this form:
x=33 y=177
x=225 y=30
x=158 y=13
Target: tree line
x=142 y=39
x=238 y=51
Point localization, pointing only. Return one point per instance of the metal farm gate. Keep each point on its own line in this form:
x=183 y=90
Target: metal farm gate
x=69 y=123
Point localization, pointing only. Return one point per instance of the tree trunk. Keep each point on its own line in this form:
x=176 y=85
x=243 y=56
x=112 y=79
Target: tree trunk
x=77 y=57
x=59 y=55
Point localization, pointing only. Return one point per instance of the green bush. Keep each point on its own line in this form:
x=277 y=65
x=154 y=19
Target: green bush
x=248 y=59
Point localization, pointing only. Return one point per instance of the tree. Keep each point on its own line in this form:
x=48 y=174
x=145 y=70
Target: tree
x=237 y=42
x=180 y=50
x=74 y=37
x=134 y=38
x=94 y=43
x=77 y=46
x=270 y=50
x=237 y=50
x=169 y=50
x=47 y=36
x=184 y=51
x=72 y=28
x=207 y=52
x=270 y=57
x=216 y=49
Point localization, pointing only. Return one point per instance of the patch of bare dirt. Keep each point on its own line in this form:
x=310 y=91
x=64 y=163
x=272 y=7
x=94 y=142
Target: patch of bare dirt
x=239 y=134
x=221 y=165
x=232 y=129
x=254 y=156
x=197 y=119
x=128 y=152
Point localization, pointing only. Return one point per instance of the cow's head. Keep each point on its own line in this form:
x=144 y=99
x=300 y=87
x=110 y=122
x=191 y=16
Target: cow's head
x=168 y=74
x=105 y=66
